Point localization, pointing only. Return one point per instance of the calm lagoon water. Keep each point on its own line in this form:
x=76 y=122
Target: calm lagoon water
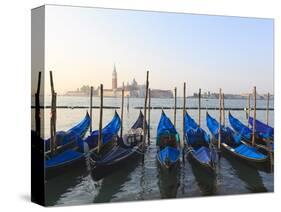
x=145 y=181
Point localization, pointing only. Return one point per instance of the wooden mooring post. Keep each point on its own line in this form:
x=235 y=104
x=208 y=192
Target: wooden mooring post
x=149 y=107
x=175 y=108
x=53 y=116
x=219 y=136
x=248 y=109
x=145 y=107
x=128 y=103
x=91 y=109
x=122 y=111
x=199 y=107
x=100 y=121
x=267 y=108
x=183 y=120
x=254 y=118
x=269 y=147
x=223 y=111
x=37 y=107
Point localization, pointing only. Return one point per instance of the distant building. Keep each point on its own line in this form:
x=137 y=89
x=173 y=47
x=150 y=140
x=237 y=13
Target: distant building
x=130 y=90
x=83 y=91
x=157 y=93
x=210 y=95
x=114 y=78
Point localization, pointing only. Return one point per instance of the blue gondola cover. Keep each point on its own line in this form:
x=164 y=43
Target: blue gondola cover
x=169 y=154
x=265 y=130
x=249 y=152
x=165 y=126
x=108 y=132
x=63 y=158
x=79 y=130
x=226 y=133
x=240 y=127
x=203 y=154
x=193 y=132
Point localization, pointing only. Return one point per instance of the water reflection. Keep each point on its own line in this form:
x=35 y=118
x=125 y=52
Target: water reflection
x=247 y=174
x=168 y=181
x=205 y=180
x=114 y=183
x=64 y=182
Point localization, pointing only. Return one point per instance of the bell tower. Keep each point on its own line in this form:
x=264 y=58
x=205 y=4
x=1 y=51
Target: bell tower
x=114 y=78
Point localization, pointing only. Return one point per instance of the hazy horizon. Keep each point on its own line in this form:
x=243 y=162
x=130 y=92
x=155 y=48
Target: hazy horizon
x=208 y=52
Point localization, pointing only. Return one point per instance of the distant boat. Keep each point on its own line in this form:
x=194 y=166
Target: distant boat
x=247 y=134
x=168 y=141
x=232 y=145
x=266 y=131
x=199 y=145
x=129 y=147
x=69 y=138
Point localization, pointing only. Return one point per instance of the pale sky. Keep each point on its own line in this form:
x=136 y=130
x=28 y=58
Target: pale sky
x=82 y=45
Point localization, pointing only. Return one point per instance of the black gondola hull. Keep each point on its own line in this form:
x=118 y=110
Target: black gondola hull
x=100 y=171
x=205 y=167
x=168 y=167
x=52 y=172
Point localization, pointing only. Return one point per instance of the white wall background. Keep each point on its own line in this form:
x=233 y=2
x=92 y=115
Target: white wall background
x=15 y=102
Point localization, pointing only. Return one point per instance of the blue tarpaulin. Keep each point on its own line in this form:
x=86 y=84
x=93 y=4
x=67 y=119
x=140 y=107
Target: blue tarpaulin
x=193 y=132
x=227 y=134
x=165 y=126
x=70 y=136
x=63 y=158
x=249 y=152
x=264 y=129
x=117 y=154
x=168 y=154
x=240 y=127
x=110 y=130
x=203 y=154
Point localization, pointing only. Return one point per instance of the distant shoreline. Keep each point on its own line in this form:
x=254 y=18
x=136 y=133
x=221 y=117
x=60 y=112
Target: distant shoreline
x=179 y=97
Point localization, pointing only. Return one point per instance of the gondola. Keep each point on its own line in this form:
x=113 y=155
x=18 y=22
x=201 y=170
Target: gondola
x=231 y=144
x=109 y=136
x=68 y=139
x=168 y=182
x=199 y=147
x=128 y=148
x=74 y=157
x=62 y=161
x=264 y=146
x=168 y=150
x=265 y=130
